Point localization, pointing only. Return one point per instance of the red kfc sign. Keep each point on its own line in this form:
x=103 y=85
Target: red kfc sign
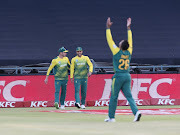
x=147 y=89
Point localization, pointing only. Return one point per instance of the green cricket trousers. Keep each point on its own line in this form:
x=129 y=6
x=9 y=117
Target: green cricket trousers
x=60 y=84
x=121 y=81
x=83 y=84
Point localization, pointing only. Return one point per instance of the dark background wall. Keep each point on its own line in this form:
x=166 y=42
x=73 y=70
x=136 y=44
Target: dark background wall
x=32 y=31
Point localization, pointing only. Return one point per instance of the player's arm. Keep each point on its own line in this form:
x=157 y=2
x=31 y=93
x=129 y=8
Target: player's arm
x=90 y=66
x=68 y=64
x=72 y=69
x=53 y=63
x=130 y=41
x=110 y=41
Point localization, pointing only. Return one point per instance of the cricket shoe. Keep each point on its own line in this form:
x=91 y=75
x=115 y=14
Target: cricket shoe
x=56 y=105
x=77 y=105
x=137 y=116
x=62 y=107
x=110 y=120
x=83 y=107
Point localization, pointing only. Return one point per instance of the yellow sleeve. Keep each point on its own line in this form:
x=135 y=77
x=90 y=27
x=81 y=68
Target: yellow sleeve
x=90 y=64
x=68 y=64
x=130 y=41
x=53 y=63
x=72 y=68
x=111 y=43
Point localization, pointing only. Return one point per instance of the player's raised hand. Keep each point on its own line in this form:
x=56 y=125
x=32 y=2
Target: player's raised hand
x=109 y=23
x=128 y=22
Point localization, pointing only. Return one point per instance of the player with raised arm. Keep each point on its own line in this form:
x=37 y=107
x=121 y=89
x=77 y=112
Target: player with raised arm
x=61 y=66
x=121 y=78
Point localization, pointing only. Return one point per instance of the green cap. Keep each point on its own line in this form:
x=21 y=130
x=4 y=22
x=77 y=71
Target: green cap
x=62 y=49
x=78 y=49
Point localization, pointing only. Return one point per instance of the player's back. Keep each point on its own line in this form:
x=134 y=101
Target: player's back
x=121 y=61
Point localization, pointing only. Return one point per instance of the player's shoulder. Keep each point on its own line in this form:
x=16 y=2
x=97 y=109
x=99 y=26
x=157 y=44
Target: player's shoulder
x=55 y=58
x=66 y=58
x=74 y=58
x=128 y=52
x=84 y=56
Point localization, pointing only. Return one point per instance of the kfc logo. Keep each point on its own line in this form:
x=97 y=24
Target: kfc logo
x=39 y=103
x=138 y=102
x=69 y=103
x=137 y=87
x=102 y=103
x=166 y=101
x=7 y=104
x=6 y=92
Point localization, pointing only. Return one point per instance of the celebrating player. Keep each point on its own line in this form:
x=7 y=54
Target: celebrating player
x=121 y=78
x=80 y=74
x=61 y=65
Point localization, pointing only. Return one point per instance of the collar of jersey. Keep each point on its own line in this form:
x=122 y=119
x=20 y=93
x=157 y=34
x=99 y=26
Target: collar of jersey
x=81 y=56
x=60 y=58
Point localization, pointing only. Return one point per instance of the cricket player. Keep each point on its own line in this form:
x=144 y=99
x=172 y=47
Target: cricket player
x=121 y=78
x=80 y=73
x=61 y=66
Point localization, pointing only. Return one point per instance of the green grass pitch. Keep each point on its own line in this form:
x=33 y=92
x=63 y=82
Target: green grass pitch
x=22 y=121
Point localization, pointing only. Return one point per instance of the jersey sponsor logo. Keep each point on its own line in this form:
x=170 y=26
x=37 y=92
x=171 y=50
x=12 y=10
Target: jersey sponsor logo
x=7 y=90
x=59 y=62
x=137 y=87
x=76 y=60
x=63 y=65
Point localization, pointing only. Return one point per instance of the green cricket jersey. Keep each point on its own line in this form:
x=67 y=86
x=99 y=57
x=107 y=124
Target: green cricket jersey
x=79 y=67
x=121 y=59
x=61 y=67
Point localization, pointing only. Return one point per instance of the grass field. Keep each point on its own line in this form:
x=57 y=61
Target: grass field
x=22 y=121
